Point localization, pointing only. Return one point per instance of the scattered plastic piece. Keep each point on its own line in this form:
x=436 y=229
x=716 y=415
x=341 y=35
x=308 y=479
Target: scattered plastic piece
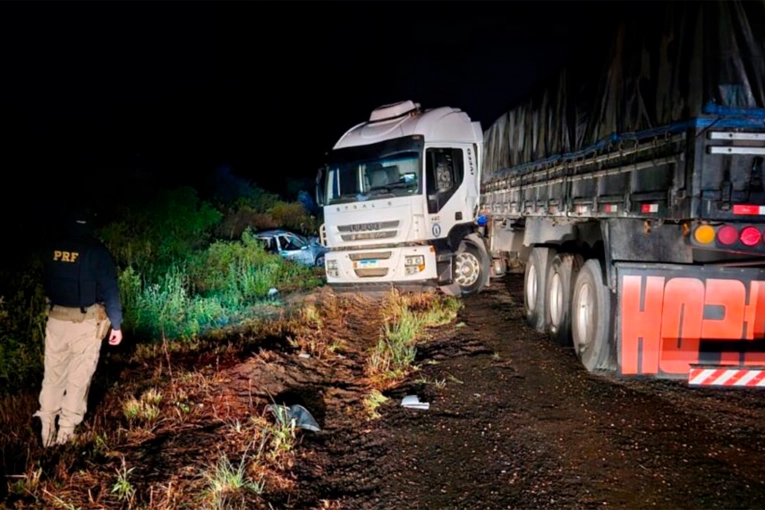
x=413 y=402
x=272 y=291
x=303 y=418
x=304 y=355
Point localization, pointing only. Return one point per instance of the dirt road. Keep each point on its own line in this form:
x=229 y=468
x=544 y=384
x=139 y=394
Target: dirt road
x=516 y=422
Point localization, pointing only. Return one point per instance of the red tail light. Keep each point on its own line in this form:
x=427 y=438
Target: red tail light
x=727 y=235
x=750 y=236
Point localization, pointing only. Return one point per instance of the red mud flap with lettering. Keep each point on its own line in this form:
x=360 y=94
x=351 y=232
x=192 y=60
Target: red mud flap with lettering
x=671 y=318
x=742 y=377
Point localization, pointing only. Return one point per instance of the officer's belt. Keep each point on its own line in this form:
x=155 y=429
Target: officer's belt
x=76 y=314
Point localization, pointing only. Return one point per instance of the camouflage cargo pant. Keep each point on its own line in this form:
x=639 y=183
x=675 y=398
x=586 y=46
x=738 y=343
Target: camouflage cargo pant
x=72 y=349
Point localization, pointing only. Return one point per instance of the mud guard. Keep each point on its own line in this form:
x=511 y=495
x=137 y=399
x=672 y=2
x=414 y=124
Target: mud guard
x=672 y=319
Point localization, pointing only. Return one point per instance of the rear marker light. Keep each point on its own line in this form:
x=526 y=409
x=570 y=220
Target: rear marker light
x=649 y=208
x=704 y=234
x=727 y=235
x=749 y=210
x=750 y=236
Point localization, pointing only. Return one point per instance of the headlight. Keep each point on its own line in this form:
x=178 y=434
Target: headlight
x=413 y=264
x=415 y=260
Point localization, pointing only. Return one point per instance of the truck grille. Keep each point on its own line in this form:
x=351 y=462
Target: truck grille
x=366 y=231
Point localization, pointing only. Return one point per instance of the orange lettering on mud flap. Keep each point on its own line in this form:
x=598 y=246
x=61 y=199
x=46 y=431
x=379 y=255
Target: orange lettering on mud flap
x=664 y=332
x=731 y=296
x=755 y=312
x=754 y=316
x=681 y=324
x=641 y=323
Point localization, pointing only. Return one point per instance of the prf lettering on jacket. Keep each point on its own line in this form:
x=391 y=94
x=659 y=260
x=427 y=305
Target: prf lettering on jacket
x=65 y=256
x=664 y=321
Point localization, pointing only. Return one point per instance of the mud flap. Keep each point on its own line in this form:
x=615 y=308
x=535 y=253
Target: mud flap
x=676 y=320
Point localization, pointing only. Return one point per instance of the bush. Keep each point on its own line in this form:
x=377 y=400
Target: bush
x=293 y=216
x=22 y=327
x=167 y=307
x=288 y=215
x=162 y=231
x=211 y=288
x=237 y=220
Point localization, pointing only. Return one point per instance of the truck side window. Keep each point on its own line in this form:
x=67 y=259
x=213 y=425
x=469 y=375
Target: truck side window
x=445 y=171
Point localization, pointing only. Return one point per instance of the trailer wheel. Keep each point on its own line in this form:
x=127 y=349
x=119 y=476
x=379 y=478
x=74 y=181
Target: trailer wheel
x=591 y=318
x=534 y=287
x=561 y=276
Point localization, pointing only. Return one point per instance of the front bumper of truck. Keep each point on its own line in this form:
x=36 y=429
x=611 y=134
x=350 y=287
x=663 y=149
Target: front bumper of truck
x=403 y=266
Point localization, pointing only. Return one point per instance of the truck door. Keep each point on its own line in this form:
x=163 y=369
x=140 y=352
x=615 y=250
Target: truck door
x=444 y=176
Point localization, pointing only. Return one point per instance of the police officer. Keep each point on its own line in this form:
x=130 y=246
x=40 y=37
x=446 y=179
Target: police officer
x=83 y=304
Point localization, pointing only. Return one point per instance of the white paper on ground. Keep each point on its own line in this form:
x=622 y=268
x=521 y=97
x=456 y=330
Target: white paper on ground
x=413 y=402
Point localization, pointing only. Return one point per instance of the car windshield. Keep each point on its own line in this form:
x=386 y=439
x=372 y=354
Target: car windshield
x=382 y=170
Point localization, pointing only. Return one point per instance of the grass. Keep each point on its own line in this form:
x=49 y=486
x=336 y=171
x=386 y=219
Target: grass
x=228 y=483
x=407 y=318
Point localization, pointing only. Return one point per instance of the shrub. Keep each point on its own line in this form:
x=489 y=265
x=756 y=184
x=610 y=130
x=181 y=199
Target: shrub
x=293 y=216
x=22 y=326
x=209 y=289
x=162 y=231
x=239 y=219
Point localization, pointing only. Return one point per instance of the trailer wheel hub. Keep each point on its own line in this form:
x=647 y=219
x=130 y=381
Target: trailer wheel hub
x=556 y=301
x=585 y=310
x=531 y=289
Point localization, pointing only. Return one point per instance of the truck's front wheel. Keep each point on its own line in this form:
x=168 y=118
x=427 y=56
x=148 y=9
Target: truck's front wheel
x=591 y=318
x=468 y=269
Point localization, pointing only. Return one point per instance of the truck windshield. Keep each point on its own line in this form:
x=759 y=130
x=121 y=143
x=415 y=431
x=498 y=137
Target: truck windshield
x=370 y=172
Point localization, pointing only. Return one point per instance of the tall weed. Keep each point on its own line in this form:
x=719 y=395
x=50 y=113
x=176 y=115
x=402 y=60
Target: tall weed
x=22 y=326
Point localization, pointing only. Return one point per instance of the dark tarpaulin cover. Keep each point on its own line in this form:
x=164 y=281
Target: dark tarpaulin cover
x=663 y=65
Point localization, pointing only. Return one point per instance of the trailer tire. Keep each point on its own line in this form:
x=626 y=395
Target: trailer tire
x=535 y=288
x=561 y=277
x=592 y=318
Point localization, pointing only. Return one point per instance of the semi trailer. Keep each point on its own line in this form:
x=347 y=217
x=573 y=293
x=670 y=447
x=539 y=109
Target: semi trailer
x=631 y=189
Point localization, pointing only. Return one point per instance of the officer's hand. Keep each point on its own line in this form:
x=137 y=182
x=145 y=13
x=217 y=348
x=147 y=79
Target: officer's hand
x=115 y=337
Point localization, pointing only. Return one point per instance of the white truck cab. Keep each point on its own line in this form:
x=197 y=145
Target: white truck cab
x=400 y=195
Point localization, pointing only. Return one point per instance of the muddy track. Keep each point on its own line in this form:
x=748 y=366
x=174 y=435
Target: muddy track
x=516 y=422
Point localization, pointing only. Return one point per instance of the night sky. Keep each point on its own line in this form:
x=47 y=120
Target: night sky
x=101 y=96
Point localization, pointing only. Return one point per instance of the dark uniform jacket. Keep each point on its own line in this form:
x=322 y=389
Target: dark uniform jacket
x=79 y=272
